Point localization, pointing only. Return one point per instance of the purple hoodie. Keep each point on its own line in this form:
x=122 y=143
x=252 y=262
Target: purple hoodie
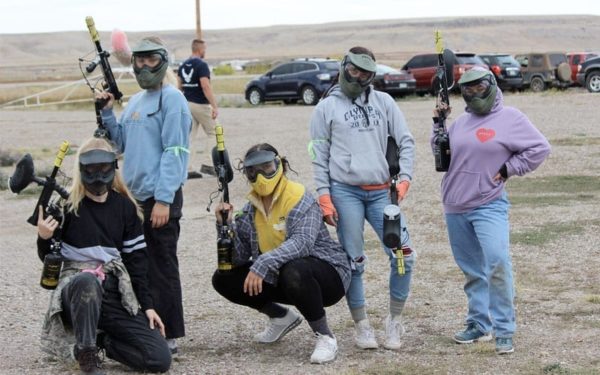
x=479 y=146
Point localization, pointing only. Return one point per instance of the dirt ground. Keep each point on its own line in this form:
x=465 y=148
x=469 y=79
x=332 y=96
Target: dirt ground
x=557 y=281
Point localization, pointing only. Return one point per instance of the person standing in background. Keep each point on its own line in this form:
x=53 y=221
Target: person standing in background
x=193 y=78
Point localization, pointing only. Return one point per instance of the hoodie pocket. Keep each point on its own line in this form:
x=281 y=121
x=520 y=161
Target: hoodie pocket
x=462 y=187
x=368 y=167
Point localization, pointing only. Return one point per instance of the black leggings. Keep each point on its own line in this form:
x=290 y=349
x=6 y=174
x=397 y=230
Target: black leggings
x=87 y=306
x=307 y=283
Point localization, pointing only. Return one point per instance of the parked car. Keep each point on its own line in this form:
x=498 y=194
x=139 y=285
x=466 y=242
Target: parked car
x=424 y=66
x=300 y=79
x=575 y=61
x=589 y=74
x=394 y=82
x=543 y=70
x=506 y=69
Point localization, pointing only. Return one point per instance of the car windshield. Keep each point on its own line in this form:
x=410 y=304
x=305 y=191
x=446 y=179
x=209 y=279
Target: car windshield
x=507 y=60
x=332 y=65
x=557 y=58
x=383 y=69
x=469 y=59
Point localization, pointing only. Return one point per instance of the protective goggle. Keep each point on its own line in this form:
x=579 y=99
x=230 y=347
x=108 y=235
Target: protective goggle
x=356 y=74
x=97 y=166
x=477 y=89
x=153 y=60
x=261 y=162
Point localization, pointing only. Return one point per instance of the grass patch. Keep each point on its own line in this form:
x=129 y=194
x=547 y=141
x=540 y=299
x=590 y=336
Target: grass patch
x=554 y=184
x=580 y=140
x=550 y=200
x=593 y=298
x=548 y=232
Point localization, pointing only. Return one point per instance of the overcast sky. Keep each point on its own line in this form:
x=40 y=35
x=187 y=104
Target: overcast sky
x=32 y=16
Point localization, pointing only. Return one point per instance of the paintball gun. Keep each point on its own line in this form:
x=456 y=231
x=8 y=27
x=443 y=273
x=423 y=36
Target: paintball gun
x=109 y=84
x=224 y=173
x=23 y=176
x=392 y=218
x=444 y=79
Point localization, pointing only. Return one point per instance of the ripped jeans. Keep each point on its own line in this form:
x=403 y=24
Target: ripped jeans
x=480 y=245
x=354 y=205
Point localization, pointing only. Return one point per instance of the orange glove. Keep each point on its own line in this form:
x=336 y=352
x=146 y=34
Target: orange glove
x=402 y=189
x=329 y=213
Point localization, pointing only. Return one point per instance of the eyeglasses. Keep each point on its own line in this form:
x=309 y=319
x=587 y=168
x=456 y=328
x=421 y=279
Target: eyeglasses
x=362 y=76
x=267 y=169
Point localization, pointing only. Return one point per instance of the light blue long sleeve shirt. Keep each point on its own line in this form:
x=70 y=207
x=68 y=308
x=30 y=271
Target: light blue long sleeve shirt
x=155 y=146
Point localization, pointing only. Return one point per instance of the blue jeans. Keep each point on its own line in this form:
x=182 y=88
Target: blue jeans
x=354 y=205
x=480 y=245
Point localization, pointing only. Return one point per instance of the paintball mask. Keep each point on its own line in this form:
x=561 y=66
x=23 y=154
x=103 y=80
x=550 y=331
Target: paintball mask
x=357 y=73
x=150 y=62
x=264 y=170
x=97 y=169
x=478 y=88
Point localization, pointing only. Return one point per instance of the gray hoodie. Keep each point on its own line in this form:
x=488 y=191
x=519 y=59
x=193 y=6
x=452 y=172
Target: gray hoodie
x=349 y=139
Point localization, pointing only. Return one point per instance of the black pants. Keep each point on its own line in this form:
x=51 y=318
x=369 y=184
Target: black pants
x=307 y=283
x=163 y=266
x=88 y=306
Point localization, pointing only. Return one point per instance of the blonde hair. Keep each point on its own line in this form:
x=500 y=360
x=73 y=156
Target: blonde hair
x=77 y=190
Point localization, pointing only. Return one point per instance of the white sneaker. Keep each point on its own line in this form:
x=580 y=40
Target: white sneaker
x=325 y=349
x=278 y=327
x=365 y=336
x=393 y=330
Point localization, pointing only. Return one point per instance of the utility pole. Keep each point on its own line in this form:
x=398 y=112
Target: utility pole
x=198 y=28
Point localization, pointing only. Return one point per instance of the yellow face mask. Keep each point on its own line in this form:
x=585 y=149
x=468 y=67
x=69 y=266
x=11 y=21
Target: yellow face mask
x=264 y=186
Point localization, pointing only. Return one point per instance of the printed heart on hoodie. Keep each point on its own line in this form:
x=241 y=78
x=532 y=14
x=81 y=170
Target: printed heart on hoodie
x=485 y=135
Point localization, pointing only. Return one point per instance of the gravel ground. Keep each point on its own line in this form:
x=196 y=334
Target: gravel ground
x=558 y=284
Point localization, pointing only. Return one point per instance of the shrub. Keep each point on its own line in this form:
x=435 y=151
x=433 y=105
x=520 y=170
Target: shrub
x=223 y=70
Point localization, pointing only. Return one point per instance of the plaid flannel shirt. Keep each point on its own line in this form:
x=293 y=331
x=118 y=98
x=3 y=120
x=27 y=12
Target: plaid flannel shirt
x=306 y=236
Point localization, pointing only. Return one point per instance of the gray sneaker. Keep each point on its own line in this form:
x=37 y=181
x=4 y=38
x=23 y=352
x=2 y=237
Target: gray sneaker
x=470 y=335
x=278 y=327
x=504 y=345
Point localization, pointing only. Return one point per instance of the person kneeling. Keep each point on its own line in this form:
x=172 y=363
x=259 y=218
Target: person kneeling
x=283 y=254
x=102 y=284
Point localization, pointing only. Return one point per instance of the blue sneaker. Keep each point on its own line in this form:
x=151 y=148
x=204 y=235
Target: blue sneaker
x=470 y=335
x=504 y=345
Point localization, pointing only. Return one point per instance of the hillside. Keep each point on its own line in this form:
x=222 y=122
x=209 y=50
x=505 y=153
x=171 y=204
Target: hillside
x=392 y=40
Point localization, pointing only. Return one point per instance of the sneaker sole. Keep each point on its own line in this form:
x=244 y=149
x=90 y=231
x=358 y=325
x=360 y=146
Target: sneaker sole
x=284 y=332
x=376 y=346
x=481 y=339
x=505 y=351
x=316 y=362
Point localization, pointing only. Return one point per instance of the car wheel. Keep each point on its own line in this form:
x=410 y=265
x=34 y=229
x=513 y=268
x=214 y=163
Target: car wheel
x=592 y=82
x=563 y=72
x=309 y=95
x=537 y=84
x=255 y=96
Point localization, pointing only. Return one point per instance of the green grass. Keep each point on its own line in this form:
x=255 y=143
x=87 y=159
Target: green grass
x=548 y=232
x=581 y=140
x=550 y=200
x=554 y=184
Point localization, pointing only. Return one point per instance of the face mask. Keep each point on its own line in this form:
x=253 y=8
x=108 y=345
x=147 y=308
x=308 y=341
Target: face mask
x=149 y=78
x=482 y=105
x=97 y=178
x=263 y=185
x=351 y=89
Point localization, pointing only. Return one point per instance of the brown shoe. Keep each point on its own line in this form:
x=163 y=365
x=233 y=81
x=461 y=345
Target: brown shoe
x=208 y=170
x=194 y=174
x=89 y=362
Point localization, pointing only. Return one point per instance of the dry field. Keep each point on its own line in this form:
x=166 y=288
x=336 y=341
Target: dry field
x=555 y=222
